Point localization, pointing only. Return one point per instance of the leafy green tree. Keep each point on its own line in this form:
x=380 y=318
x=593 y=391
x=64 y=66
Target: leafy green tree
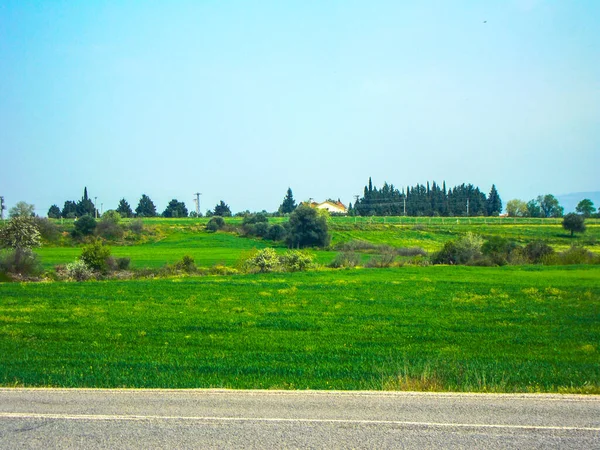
x=534 y=209
x=22 y=209
x=124 y=209
x=574 y=223
x=175 y=209
x=516 y=208
x=54 y=212
x=493 y=203
x=21 y=235
x=585 y=207
x=222 y=209
x=145 y=207
x=69 y=210
x=289 y=204
x=549 y=206
x=307 y=228
x=85 y=205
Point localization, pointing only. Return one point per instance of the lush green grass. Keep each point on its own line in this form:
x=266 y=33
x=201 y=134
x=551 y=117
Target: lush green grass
x=511 y=329
x=171 y=239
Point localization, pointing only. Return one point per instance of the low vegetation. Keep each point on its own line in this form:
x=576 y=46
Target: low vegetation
x=477 y=329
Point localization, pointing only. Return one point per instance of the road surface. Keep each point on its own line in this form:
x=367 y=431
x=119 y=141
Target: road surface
x=99 y=418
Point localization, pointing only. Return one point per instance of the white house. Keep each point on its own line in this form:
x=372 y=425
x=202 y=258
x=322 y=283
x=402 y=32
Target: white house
x=332 y=207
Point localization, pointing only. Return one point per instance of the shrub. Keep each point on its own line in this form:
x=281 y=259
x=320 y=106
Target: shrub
x=215 y=223
x=84 y=226
x=574 y=255
x=48 y=229
x=498 y=250
x=384 y=260
x=117 y=264
x=411 y=251
x=345 y=260
x=109 y=227
x=95 y=256
x=22 y=262
x=536 y=251
x=464 y=250
x=296 y=261
x=276 y=232
x=78 y=271
x=186 y=264
x=265 y=260
x=136 y=226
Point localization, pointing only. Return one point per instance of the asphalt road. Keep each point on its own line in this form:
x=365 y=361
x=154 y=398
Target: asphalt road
x=96 y=418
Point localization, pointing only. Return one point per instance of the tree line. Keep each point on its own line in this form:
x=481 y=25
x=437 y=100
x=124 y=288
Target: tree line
x=426 y=200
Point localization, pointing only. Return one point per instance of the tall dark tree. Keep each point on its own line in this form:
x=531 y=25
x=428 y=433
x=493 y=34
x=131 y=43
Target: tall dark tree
x=69 y=210
x=85 y=205
x=493 y=203
x=145 y=207
x=175 y=208
x=124 y=209
x=54 y=212
x=289 y=204
x=222 y=209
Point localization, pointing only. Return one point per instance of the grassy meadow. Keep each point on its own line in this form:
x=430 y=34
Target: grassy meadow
x=439 y=328
x=510 y=329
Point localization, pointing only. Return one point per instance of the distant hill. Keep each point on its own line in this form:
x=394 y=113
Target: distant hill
x=570 y=201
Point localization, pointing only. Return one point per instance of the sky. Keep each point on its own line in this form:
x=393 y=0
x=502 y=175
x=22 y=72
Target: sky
x=239 y=100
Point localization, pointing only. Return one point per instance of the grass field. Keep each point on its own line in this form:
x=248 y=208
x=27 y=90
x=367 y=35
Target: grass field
x=175 y=238
x=510 y=329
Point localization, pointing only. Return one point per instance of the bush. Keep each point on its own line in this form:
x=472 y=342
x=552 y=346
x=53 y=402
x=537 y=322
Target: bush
x=215 y=223
x=296 y=261
x=536 y=251
x=78 y=271
x=117 y=264
x=95 y=255
x=574 y=255
x=385 y=260
x=464 y=250
x=186 y=264
x=136 y=226
x=84 y=226
x=48 y=229
x=276 y=232
x=109 y=227
x=25 y=263
x=498 y=250
x=265 y=260
x=345 y=260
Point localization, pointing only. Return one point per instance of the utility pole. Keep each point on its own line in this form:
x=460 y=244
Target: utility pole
x=197 y=200
x=404 y=198
x=95 y=209
x=355 y=202
x=2 y=208
x=467 y=207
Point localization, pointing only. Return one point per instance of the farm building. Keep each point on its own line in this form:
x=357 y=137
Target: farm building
x=333 y=207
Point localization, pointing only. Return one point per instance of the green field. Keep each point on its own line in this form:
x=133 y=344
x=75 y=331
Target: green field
x=510 y=329
x=174 y=238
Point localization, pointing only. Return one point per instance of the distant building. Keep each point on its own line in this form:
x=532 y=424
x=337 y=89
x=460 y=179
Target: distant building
x=332 y=207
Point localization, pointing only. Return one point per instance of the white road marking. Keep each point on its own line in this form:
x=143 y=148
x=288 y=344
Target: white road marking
x=105 y=417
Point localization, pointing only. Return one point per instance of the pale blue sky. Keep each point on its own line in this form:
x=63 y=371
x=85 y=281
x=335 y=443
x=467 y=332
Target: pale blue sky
x=241 y=99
